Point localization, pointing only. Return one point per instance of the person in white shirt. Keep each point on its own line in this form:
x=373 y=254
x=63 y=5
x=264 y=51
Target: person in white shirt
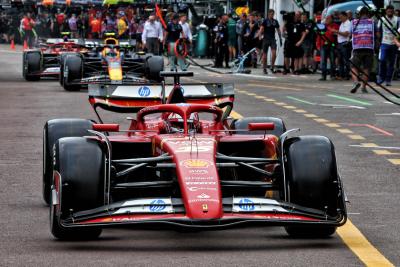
x=152 y=35
x=344 y=45
x=185 y=28
x=388 y=49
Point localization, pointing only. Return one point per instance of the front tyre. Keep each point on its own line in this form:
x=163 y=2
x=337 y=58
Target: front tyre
x=78 y=185
x=52 y=131
x=312 y=181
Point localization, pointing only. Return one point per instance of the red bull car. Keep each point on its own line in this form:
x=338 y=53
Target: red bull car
x=114 y=62
x=183 y=163
x=45 y=61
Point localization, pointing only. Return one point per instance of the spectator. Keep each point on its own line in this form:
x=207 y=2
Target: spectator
x=110 y=25
x=239 y=32
x=349 y=15
x=344 y=46
x=95 y=27
x=268 y=29
x=73 y=26
x=27 y=24
x=363 y=38
x=388 y=49
x=60 y=18
x=185 y=28
x=133 y=27
x=296 y=33
x=232 y=38
x=308 y=44
x=221 y=41
x=326 y=43
x=251 y=37
x=173 y=33
x=152 y=35
x=122 y=26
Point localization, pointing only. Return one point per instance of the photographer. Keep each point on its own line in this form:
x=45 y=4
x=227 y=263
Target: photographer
x=295 y=34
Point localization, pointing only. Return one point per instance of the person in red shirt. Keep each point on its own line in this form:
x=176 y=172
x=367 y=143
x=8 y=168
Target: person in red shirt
x=95 y=28
x=27 y=24
x=326 y=43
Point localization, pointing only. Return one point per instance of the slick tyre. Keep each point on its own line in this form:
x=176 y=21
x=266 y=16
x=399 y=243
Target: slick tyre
x=52 y=131
x=155 y=64
x=72 y=72
x=312 y=181
x=31 y=65
x=242 y=124
x=79 y=168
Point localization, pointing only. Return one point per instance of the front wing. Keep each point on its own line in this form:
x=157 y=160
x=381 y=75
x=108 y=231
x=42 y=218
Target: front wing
x=239 y=211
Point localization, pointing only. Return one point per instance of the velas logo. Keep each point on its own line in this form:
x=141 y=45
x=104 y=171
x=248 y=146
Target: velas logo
x=157 y=205
x=144 y=91
x=196 y=163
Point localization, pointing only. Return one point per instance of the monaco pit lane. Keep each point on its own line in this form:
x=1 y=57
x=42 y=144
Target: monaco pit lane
x=367 y=164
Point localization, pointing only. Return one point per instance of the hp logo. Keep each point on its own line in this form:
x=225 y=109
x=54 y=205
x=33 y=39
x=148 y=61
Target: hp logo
x=157 y=205
x=144 y=91
x=246 y=204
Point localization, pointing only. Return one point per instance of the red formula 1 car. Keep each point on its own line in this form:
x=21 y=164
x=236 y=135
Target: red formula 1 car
x=45 y=61
x=183 y=163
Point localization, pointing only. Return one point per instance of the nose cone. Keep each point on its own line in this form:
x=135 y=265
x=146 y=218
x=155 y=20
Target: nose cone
x=197 y=175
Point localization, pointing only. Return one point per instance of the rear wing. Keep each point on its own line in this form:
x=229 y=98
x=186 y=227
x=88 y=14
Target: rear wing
x=132 y=98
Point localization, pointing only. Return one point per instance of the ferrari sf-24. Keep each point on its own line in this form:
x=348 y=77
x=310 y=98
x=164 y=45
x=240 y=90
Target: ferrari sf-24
x=184 y=163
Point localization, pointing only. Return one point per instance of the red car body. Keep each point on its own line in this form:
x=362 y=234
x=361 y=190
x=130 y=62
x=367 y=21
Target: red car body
x=222 y=177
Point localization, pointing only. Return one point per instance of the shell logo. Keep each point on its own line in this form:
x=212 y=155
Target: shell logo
x=196 y=163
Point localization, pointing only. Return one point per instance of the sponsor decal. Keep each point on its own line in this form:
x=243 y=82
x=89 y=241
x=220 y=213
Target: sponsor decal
x=201 y=183
x=246 y=204
x=193 y=148
x=157 y=205
x=198 y=172
x=144 y=91
x=203 y=200
x=199 y=178
x=195 y=188
x=203 y=196
x=196 y=163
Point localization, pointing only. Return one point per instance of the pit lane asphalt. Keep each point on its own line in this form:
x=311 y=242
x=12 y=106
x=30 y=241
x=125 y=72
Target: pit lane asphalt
x=371 y=181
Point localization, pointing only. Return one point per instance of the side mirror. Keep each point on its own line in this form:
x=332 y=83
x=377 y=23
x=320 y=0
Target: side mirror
x=106 y=127
x=261 y=126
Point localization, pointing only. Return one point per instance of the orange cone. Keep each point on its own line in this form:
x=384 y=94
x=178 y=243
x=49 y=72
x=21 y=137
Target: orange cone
x=25 y=45
x=12 y=46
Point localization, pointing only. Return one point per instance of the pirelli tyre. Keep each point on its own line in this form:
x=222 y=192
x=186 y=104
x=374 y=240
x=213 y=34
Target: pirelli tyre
x=62 y=58
x=154 y=65
x=312 y=181
x=242 y=124
x=52 y=131
x=79 y=180
x=31 y=65
x=72 y=72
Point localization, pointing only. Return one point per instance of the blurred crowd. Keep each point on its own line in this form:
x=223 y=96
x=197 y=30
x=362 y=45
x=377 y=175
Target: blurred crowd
x=336 y=45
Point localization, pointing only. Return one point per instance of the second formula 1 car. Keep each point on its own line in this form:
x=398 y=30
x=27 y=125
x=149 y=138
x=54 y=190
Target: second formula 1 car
x=110 y=63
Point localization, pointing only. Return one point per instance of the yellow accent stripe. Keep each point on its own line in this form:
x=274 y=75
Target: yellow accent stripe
x=352 y=237
x=360 y=246
x=384 y=152
x=395 y=161
x=345 y=131
x=311 y=115
x=356 y=137
x=332 y=125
